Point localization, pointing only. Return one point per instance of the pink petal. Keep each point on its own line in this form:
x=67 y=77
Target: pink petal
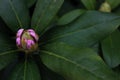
x=20 y=31
x=30 y=30
x=33 y=34
x=30 y=43
x=18 y=41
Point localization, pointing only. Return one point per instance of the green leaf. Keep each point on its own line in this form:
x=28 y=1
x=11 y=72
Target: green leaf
x=111 y=49
x=45 y=72
x=27 y=70
x=14 y=13
x=76 y=63
x=7 y=57
x=113 y=3
x=48 y=74
x=44 y=12
x=3 y=28
x=69 y=17
x=87 y=30
x=89 y=4
x=7 y=51
x=30 y=2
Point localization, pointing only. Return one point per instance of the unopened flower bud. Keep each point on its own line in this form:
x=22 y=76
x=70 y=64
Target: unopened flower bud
x=105 y=7
x=27 y=40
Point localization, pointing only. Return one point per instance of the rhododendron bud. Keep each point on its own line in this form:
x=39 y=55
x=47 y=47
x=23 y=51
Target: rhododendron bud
x=27 y=40
x=105 y=7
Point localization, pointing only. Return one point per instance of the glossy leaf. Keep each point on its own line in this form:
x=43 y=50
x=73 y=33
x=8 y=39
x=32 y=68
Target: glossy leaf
x=111 y=49
x=44 y=12
x=27 y=70
x=89 y=4
x=14 y=13
x=114 y=3
x=87 y=30
x=30 y=2
x=69 y=17
x=75 y=63
x=7 y=51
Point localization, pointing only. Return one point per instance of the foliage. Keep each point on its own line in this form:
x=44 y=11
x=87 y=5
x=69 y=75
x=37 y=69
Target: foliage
x=78 y=39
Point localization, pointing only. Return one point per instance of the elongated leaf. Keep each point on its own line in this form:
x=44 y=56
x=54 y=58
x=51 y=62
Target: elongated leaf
x=7 y=51
x=111 y=49
x=89 y=4
x=75 y=63
x=86 y=31
x=44 y=13
x=69 y=17
x=14 y=13
x=27 y=70
x=114 y=3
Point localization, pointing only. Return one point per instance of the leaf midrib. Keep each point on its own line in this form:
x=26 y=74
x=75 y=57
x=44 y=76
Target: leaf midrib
x=68 y=60
x=25 y=67
x=8 y=52
x=31 y=72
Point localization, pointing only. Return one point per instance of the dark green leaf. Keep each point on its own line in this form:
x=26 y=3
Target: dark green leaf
x=111 y=49
x=113 y=3
x=69 y=17
x=7 y=57
x=89 y=4
x=7 y=51
x=27 y=70
x=44 y=12
x=90 y=28
x=76 y=63
x=3 y=28
x=30 y=2
x=47 y=74
x=14 y=13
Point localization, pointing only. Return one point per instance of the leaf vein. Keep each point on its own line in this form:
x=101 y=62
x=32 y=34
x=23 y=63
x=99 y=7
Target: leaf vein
x=70 y=61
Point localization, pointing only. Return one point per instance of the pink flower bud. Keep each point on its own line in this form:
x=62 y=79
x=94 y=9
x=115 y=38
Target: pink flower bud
x=18 y=41
x=30 y=43
x=27 y=40
x=20 y=31
x=33 y=34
